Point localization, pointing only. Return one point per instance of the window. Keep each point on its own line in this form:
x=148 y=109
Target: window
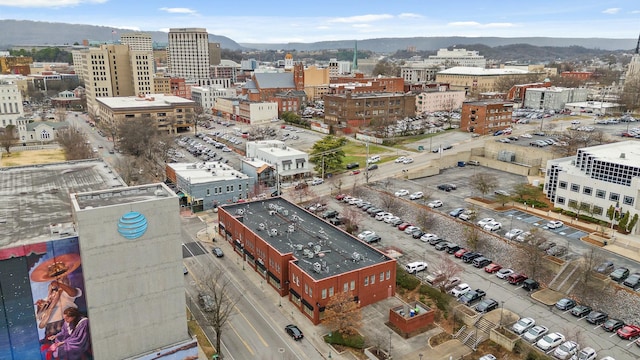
x=381 y=277
x=324 y=293
x=627 y=200
x=561 y=200
x=575 y=187
x=372 y=278
x=614 y=197
x=345 y=288
x=573 y=204
x=353 y=285
x=388 y=274
x=331 y=291
x=600 y=194
x=587 y=190
x=306 y=288
x=208 y=192
x=597 y=210
x=366 y=281
x=562 y=185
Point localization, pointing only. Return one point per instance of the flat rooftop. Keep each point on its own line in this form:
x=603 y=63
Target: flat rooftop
x=206 y=172
x=148 y=101
x=310 y=239
x=119 y=196
x=613 y=152
x=476 y=71
x=36 y=199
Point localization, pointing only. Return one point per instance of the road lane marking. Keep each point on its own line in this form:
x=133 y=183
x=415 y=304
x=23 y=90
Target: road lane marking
x=241 y=339
x=251 y=325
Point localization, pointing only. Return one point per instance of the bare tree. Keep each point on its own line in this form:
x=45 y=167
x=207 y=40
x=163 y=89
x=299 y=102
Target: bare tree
x=484 y=183
x=472 y=237
x=425 y=219
x=342 y=314
x=60 y=114
x=588 y=264
x=137 y=136
x=631 y=93
x=336 y=183
x=9 y=137
x=216 y=286
x=199 y=117
x=127 y=168
x=74 y=143
x=448 y=268
x=390 y=203
x=351 y=217
x=530 y=258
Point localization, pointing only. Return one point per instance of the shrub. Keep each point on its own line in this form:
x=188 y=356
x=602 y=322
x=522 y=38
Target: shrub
x=441 y=299
x=531 y=202
x=353 y=341
x=406 y=280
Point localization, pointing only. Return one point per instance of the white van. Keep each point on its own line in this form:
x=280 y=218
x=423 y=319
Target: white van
x=415 y=266
x=373 y=159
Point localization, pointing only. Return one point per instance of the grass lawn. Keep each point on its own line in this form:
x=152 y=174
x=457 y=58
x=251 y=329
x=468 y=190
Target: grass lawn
x=353 y=148
x=196 y=330
x=21 y=158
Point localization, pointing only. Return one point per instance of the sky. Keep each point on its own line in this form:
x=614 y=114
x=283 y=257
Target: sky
x=253 y=21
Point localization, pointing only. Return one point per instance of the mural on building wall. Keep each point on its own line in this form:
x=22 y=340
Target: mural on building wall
x=38 y=283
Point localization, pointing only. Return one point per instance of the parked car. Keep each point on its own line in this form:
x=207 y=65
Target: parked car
x=516 y=279
x=353 y=165
x=472 y=296
x=597 y=317
x=501 y=192
x=504 y=273
x=554 y=224
x=467 y=215
x=429 y=237
x=452 y=248
x=513 y=233
x=580 y=310
x=565 y=304
x=633 y=281
x=416 y=195
x=619 y=274
x=460 y=290
x=294 y=332
x=373 y=238
x=492 y=268
x=442 y=245
x=481 y=262
x=530 y=285
x=329 y=214
x=446 y=187
x=488 y=357
x=522 y=325
x=550 y=341
x=372 y=167
x=218 y=252
x=365 y=233
x=493 y=226
x=532 y=335
x=588 y=354
x=399 y=160
x=414 y=267
x=486 y=305
x=523 y=237
x=629 y=332
x=612 y=325
x=460 y=252
x=402 y=192
x=456 y=212
x=485 y=221
x=566 y=350
x=470 y=256
x=435 y=204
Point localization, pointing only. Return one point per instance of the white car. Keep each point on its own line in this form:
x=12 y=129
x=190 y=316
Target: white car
x=567 y=349
x=485 y=221
x=460 y=290
x=504 y=273
x=523 y=325
x=317 y=181
x=526 y=136
x=513 y=233
x=391 y=219
x=467 y=215
x=488 y=357
x=550 y=341
x=402 y=192
x=522 y=237
x=435 y=204
x=407 y=160
x=535 y=333
x=554 y=224
x=380 y=216
x=365 y=233
x=400 y=159
x=410 y=229
x=429 y=237
x=493 y=226
x=575 y=122
x=589 y=354
x=416 y=195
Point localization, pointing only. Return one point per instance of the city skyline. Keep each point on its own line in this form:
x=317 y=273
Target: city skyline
x=332 y=20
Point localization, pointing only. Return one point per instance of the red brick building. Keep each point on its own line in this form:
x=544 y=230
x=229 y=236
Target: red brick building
x=360 y=84
x=518 y=92
x=360 y=110
x=486 y=117
x=305 y=258
x=178 y=87
x=582 y=75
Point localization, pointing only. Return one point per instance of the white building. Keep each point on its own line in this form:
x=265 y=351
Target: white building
x=337 y=68
x=439 y=99
x=257 y=113
x=592 y=107
x=597 y=178
x=418 y=72
x=188 y=54
x=553 y=98
x=10 y=103
x=137 y=41
x=290 y=163
x=206 y=96
x=456 y=57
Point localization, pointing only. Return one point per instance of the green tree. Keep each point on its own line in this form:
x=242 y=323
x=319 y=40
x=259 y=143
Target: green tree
x=632 y=222
x=326 y=152
x=624 y=220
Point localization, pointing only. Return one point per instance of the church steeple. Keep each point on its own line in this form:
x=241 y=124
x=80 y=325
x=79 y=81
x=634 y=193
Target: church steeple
x=638 y=46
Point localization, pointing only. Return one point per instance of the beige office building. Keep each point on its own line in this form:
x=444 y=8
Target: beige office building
x=316 y=82
x=188 y=54
x=475 y=79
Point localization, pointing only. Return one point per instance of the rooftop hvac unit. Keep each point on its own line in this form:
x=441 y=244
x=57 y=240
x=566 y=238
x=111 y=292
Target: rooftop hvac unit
x=272 y=212
x=317 y=267
x=356 y=256
x=285 y=212
x=506 y=156
x=274 y=232
x=317 y=249
x=291 y=228
x=262 y=226
x=299 y=247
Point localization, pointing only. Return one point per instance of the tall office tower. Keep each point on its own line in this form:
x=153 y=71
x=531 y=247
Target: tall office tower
x=188 y=54
x=114 y=70
x=137 y=41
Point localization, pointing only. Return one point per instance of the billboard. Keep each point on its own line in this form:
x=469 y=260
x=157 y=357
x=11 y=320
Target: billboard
x=37 y=284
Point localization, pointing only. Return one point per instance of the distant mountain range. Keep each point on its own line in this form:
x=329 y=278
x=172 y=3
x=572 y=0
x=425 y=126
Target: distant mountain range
x=26 y=32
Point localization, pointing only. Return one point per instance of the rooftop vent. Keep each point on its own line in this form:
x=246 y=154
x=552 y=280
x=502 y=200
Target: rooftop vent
x=622 y=156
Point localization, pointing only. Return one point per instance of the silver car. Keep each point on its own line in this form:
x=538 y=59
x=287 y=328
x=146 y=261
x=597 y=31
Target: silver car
x=535 y=333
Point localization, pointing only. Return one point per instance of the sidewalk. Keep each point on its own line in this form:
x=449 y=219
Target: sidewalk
x=626 y=245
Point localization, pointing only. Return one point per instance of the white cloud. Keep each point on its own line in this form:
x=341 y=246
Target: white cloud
x=635 y=12
x=323 y=27
x=178 y=10
x=361 y=25
x=611 y=11
x=48 y=3
x=361 y=18
x=479 y=25
x=409 y=15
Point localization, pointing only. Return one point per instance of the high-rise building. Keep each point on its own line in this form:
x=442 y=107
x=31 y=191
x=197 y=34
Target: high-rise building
x=114 y=70
x=137 y=41
x=10 y=103
x=188 y=54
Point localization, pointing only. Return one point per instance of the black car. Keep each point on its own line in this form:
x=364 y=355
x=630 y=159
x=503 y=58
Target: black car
x=597 y=317
x=633 y=281
x=352 y=165
x=470 y=256
x=530 y=285
x=294 y=332
x=218 y=252
x=452 y=248
x=366 y=207
x=372 y=167
x=486 y=305
x=612 y=325
x=580 y=310
x=336 y=221
x=445 y=187
x=329 y=214
x=619 y=274
x=417 y=233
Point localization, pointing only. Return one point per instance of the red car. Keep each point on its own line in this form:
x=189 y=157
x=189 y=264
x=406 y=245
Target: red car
x=339 y=197
x=629 y=332
x=493 y=267
x=355 y=172
x=516 y=279
x=460 y=252
x=403 y=226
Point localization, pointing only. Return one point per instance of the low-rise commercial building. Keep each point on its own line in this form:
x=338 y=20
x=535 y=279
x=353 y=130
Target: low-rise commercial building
x=439 y=99
x=596 y=179
x=359 y=110
x=486 y=117
x=290 y=163
x=475 y=79
x=553 y=98
x=304 y=258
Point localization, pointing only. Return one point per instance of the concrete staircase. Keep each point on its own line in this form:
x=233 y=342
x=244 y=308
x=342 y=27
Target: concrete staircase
x=567 y=278
x=476 y=334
